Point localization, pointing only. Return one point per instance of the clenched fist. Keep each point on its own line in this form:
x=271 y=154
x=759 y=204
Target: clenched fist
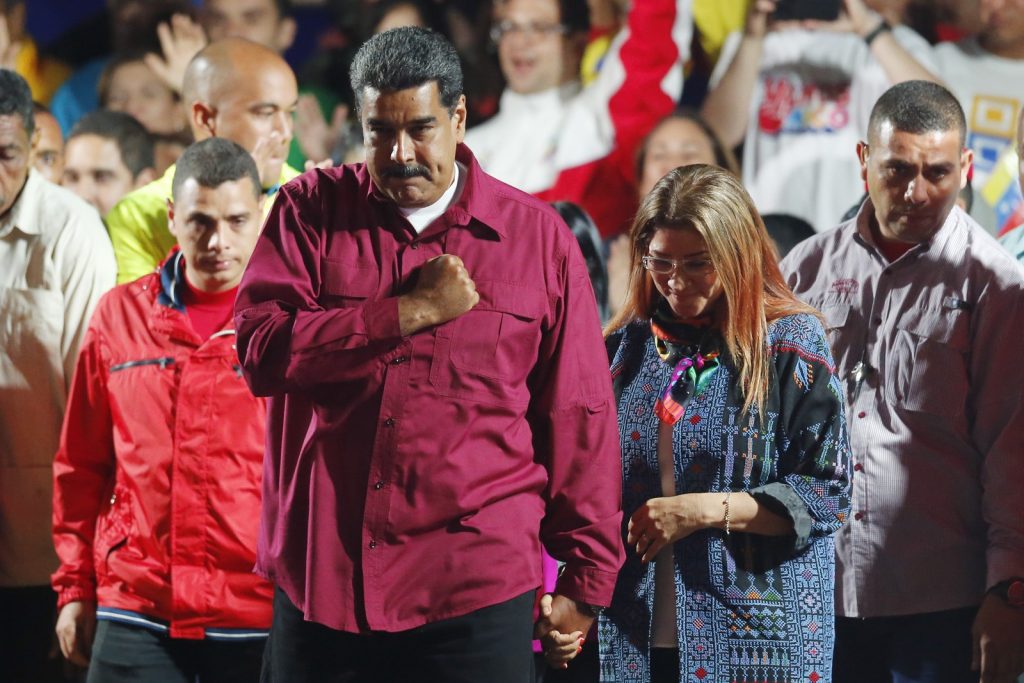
x=444 y=292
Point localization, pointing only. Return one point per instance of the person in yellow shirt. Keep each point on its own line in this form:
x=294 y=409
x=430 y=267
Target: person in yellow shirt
x=235 y=89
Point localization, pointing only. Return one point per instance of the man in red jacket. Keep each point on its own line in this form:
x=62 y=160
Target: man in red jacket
x=157 y=479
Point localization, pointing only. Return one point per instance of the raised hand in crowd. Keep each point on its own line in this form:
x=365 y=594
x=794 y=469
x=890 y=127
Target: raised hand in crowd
x=8 y=50
x=180 y=40
x=318 y=138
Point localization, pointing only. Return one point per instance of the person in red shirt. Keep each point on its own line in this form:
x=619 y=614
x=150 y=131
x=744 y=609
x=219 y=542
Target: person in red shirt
x=157 y=479
x=439 y=401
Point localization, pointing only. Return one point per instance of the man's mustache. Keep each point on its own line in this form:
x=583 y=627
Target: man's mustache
x=405 y=172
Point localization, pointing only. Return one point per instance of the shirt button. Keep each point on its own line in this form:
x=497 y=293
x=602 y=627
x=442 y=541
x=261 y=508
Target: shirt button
x=877 y=320
x=859 y=516
x=373 y=544
x=415 y=245
x=378 y=486
x=862 y=414
x=858 y=467
x=399 y=360
x=113 y=499
x=390 y=422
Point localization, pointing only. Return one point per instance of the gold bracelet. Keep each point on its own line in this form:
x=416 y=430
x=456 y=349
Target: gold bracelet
x=728 y=518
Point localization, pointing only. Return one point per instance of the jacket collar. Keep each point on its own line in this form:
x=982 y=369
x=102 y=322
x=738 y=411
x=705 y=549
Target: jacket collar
x=172 y=281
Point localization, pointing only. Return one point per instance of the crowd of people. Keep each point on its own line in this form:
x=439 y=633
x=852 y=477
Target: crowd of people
x=304 y=378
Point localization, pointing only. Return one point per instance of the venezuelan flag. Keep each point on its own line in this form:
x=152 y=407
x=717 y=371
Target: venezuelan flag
x=1002 y=192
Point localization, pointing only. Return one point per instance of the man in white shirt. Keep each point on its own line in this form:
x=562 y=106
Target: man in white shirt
x=986 y=73
x=55 y=262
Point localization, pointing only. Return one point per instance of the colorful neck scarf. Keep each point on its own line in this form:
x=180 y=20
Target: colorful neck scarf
x=693 y=364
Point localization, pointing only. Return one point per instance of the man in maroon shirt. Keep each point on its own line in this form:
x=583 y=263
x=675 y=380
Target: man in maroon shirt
x=439 y=407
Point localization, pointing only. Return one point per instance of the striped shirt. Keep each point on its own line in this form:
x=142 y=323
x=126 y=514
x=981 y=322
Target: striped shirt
x=930 y=349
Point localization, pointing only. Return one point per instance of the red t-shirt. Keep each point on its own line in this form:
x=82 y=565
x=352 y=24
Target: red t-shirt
x=208 y=312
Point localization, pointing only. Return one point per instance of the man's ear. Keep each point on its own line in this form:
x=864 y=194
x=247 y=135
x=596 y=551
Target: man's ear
x=285 y=35
x=862 y=156
x=966 y=160
x=459 y=119
x=204 y=120
x=33 y=140
x=170 y=216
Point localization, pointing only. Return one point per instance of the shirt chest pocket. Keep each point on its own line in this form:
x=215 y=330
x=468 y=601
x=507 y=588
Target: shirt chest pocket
x=837 y=318
x=488 y=352
x=928 y=363
x=347 y=283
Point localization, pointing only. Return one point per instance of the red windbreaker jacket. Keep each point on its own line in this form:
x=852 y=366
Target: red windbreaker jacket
x=158 y=477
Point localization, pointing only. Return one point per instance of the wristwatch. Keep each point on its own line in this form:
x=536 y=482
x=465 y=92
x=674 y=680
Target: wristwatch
x=1011 y=591
x=590 y=610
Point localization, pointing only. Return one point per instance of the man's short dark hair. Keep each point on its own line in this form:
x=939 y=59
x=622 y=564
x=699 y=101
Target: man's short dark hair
x=132 y=139
x=16 y=99
x=213 y=162
x=918 y=107
x=407 y=57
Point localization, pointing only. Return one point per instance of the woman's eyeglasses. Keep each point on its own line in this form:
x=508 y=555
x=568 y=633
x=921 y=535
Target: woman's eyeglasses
x=697 y=267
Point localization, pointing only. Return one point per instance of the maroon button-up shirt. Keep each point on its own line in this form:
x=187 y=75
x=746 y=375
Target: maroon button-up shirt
x=411 y=479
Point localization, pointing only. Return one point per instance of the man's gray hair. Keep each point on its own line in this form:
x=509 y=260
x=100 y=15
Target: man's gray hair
x=407 y=57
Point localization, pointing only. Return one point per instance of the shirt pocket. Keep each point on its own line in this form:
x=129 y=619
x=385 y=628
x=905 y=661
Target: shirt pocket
x=347 y=283
x=113 y=529
x=488 y=352
x=837 y=317
x=928 y=362
x=31 y=326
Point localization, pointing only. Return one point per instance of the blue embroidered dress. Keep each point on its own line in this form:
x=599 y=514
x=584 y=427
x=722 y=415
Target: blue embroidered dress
x=749 y=608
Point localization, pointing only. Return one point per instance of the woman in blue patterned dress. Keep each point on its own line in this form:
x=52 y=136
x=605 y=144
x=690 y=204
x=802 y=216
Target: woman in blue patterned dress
x=734 y=449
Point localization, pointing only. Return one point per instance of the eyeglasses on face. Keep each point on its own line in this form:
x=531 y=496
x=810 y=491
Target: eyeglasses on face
x=695 y=267
x=532 y=30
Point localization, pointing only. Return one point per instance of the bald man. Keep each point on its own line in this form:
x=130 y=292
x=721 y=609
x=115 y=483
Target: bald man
x=234 y=89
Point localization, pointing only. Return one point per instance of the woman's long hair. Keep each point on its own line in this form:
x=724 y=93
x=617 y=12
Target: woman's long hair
x=712 y=201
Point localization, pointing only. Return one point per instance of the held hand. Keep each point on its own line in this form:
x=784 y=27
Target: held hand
x=179 y=42
x=998 y=641
x=662 y=521
x=444 y=292
x=76 y=628
x=561 y=628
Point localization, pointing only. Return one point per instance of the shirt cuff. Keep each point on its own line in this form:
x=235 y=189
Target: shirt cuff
x=586 y=584
x=381 y=320
x=75 y=593
x=781 y=499
x=1003 y=564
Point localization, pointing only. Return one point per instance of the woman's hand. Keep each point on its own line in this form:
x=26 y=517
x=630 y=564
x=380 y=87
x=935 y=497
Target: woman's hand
x=662 y=521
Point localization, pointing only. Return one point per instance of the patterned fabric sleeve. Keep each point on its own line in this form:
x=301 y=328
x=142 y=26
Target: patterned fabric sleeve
x=813 y=486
